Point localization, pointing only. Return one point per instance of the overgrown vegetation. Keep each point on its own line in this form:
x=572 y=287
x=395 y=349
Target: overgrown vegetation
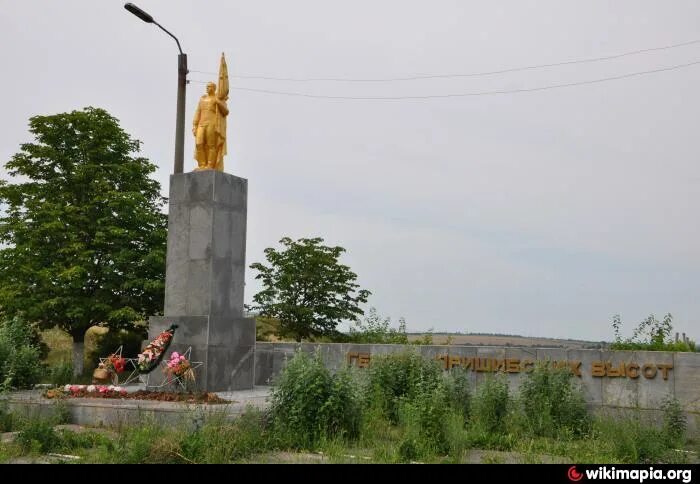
x=491 y=405
x=20 y=354
x=552 y=405
x=398 y=378
x=403 y=409
x=6 y=417
x=675 y=423
x=375 y=329
x=409 y=410
x=310 y=403
x=651 y=335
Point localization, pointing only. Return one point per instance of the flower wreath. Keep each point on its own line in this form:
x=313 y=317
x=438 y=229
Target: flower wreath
x=154 y=352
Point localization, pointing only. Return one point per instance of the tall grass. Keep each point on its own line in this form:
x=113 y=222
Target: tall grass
x=553 y=405
x=491 y=404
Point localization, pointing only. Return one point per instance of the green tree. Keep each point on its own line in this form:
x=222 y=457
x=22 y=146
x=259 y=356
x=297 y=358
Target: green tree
x=307 y=289
x=84 y=234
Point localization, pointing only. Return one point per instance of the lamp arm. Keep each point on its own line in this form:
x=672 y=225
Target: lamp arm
x=171 y=35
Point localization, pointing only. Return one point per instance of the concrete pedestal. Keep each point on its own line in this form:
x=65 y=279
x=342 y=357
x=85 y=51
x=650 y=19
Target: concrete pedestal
x=205 y=278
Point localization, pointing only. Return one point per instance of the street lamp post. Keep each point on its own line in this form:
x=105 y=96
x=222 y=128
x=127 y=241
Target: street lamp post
x=181 y=85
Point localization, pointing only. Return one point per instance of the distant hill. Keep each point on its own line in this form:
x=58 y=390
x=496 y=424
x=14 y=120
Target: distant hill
x=268 y=329
x=485 y=339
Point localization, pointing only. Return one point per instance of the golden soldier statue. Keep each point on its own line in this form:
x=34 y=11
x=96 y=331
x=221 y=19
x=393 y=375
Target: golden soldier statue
x=209 y=124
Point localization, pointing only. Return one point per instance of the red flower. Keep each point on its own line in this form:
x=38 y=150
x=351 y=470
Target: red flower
x=119 y=364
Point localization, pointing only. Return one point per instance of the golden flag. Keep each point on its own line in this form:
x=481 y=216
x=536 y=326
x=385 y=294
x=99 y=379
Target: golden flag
x=222 y=93
x=223 y=79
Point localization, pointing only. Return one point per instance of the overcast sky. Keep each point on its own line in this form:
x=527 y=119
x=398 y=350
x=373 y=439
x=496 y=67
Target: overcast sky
x=541 y=213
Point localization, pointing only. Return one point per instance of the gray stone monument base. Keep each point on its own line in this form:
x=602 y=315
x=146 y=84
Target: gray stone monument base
x=227 y=354
x=204 y=279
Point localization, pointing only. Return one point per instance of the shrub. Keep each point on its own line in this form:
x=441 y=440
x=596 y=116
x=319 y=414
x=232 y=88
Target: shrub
x=675 y=423
x=341 y=411
x=375 y=329
x=651 y=335
x=552 y=404
x=412 y=390
x=426 y=417
x=400 y=376
x=20 y=364
x=308 y=402
x=6 y=417
x=458 y=391
x=490 y=405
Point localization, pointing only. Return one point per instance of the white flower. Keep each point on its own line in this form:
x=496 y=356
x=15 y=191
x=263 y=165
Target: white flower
x=91 y=388
x=66 y=388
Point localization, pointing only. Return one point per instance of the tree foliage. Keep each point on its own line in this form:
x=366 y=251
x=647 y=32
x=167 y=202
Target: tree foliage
x=83 y=232
x=307 y=289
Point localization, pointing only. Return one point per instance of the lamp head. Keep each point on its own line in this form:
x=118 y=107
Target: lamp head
x=139 y=13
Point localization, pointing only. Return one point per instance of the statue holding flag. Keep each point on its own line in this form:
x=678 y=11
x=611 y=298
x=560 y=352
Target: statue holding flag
x=209 y=124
